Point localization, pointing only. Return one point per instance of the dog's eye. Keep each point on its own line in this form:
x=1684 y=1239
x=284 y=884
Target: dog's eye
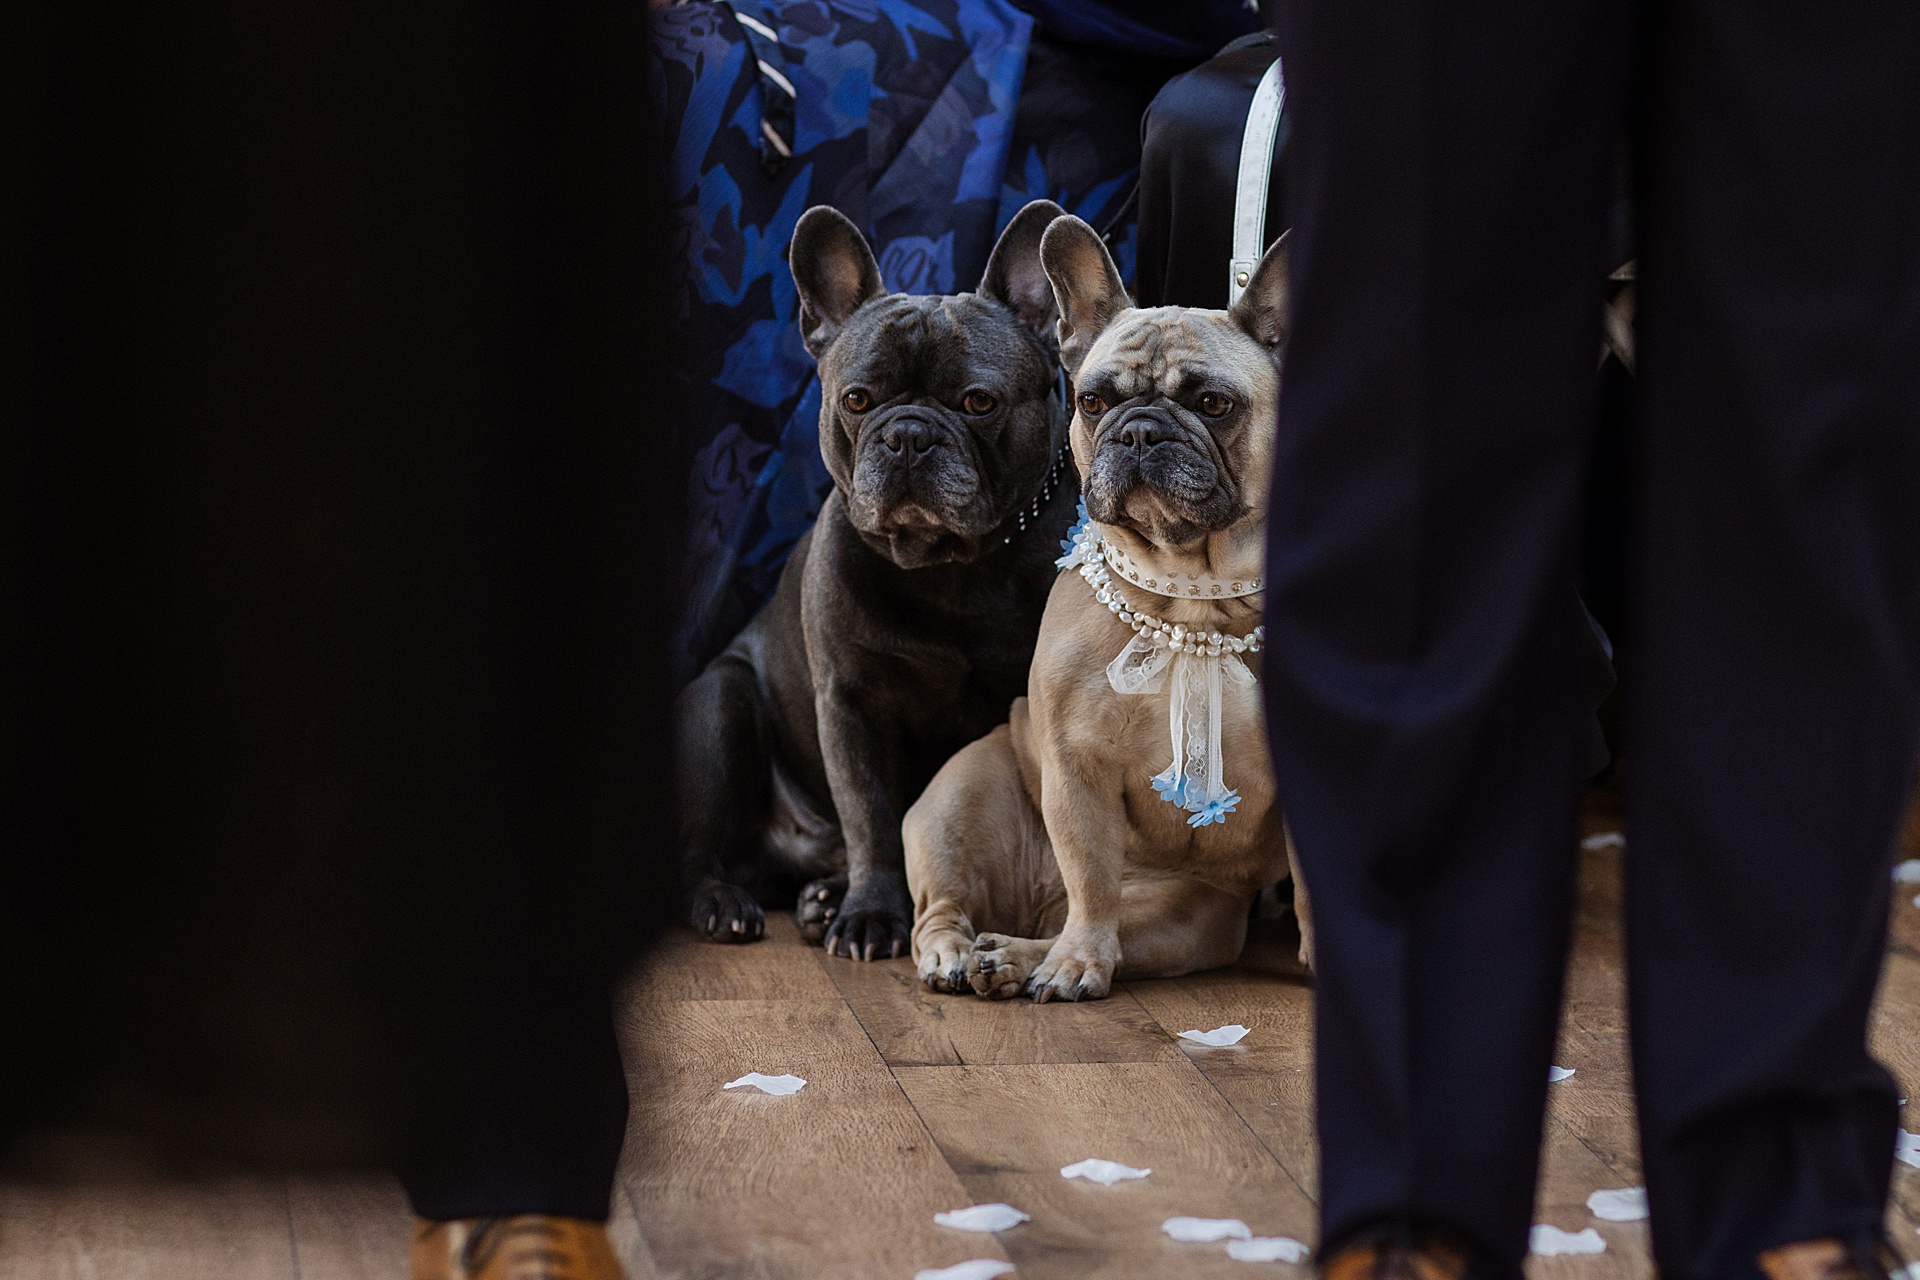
x=978 y=403
x=1215 y=405
x=1092 y=405
x=856 y=400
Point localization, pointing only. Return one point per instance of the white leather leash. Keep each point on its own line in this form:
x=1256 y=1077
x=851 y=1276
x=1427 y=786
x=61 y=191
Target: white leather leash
x=1256 y=168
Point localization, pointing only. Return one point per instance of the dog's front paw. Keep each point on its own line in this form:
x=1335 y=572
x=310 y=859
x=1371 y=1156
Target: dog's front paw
x=1073 y=972
x=874 y=923
x=999 y=965
x=725 y=913
x=818 y=906
x=944 y=963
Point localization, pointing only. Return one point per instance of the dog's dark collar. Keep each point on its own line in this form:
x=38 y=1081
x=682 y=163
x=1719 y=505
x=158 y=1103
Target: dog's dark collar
x=1047 y=489
x=1051 y=484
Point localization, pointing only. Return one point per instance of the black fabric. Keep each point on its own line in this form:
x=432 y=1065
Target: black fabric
x=1449 y=182
x=1152 y=28
x=1076 y=136
x=1189 y=165
x=337 y=500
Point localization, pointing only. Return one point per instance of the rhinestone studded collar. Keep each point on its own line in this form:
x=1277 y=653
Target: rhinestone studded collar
x=1049 y=486
x=1178 y=586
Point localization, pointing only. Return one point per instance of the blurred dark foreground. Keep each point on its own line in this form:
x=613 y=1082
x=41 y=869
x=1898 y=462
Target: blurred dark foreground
x=335 y=554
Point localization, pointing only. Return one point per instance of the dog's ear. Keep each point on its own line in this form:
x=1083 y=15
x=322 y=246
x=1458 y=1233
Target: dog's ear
x=1262 y=310
x=1014 y=275
x=1086 y=286
x=834 y=271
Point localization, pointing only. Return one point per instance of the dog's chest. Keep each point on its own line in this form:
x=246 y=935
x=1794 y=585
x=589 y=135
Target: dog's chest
x=1130 y=733
x=1242 y=850
x=1148 y=740
x=984 y=654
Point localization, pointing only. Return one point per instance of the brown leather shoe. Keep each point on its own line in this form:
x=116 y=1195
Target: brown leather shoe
x=528 y=1246
x=1869 y=1259
x=1398 y=1253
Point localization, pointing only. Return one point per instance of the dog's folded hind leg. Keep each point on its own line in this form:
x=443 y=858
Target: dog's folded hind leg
x=977 y=858
x=1002 y=967
x=724 y=779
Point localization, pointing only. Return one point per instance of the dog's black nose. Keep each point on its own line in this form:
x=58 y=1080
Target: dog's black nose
x=907 y=435
x=1143 y=431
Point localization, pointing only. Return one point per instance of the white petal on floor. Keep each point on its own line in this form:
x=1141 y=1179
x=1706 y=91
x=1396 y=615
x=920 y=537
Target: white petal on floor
x=983 y=1217
x=1219 y=1037
x=1267 y=1249
x=779 y=1086
x=1556 y=1074
x=1629 y=1204
x=1907 y=872
x=1550 y=1241
x=1916 y=899
x=973 y=1269
x=1104 y=1172
x=1906 y=1147
x=1203 y=1230
x=1605 y=840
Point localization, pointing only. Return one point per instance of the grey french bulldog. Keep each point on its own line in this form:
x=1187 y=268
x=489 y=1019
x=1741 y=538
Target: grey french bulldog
x=904 y=623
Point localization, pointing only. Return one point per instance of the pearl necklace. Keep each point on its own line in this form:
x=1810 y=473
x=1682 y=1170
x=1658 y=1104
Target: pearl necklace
x=1200 y=664
x=1092 y=554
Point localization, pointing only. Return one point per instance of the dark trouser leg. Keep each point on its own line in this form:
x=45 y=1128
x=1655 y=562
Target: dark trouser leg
x=511 y=1096
x=1779 y=642
x=344 y=489
x=1425 y=678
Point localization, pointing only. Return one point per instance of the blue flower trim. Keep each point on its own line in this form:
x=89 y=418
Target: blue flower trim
x=1215 y=810
x=1175 y=790
x=1185 y=793
x=1078 y=544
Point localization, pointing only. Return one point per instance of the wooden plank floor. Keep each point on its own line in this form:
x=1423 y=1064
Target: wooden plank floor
x=917 y=1103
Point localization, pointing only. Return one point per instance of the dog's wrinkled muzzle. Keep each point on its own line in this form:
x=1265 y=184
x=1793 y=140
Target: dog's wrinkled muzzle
x=916 y=470
x=1165 y=453
x=1147 y=444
